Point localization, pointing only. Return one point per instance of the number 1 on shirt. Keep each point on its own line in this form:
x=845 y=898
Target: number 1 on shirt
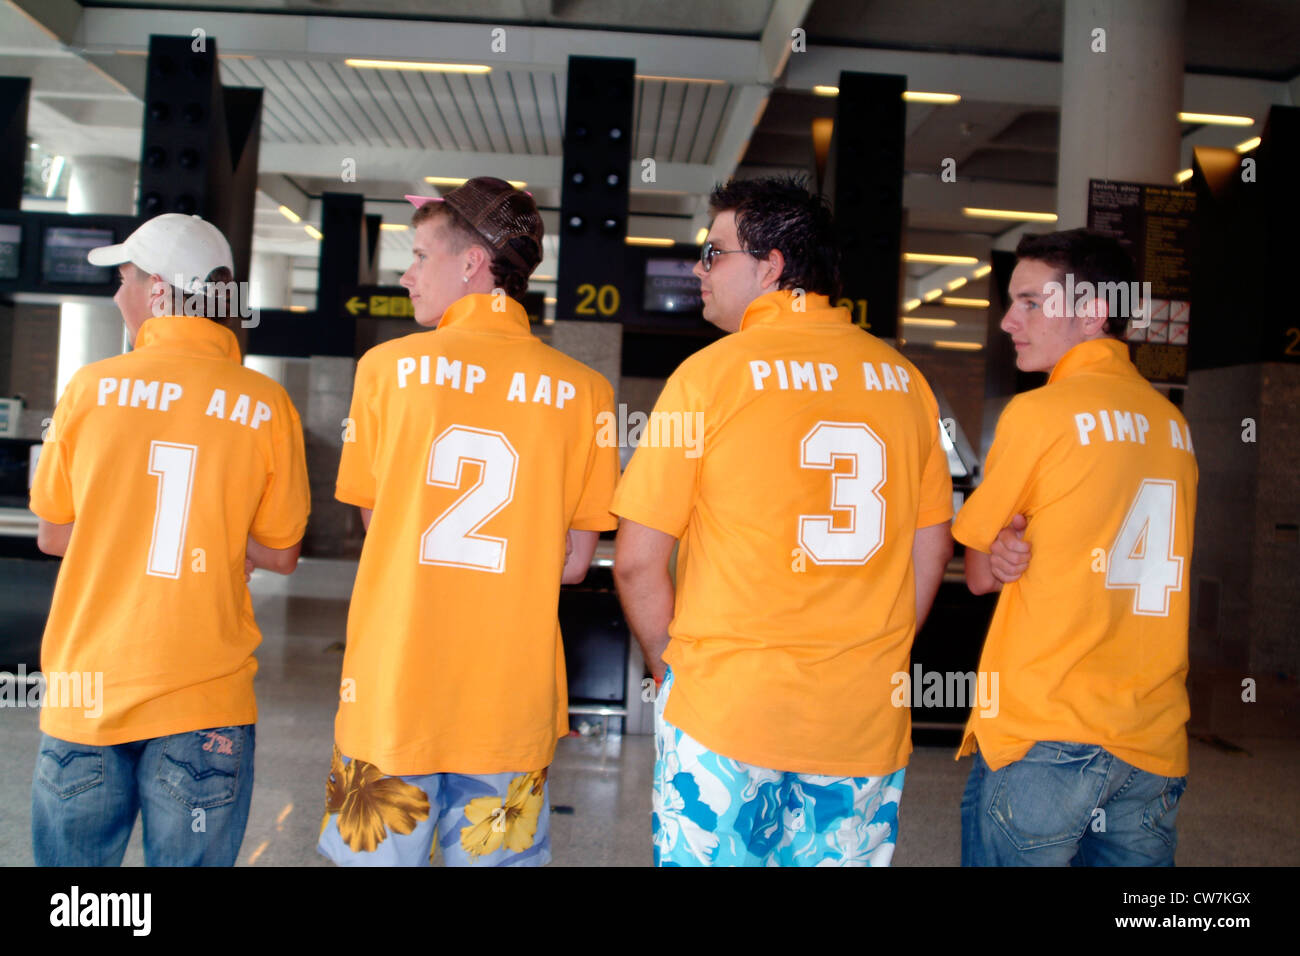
x=173 y=465
x=451 y=539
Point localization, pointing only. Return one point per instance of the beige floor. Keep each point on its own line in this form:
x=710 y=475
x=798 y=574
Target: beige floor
x=1239 y=809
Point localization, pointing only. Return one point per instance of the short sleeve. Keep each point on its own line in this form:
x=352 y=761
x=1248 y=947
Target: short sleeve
x=661 y=484
x=936 y=478
x=356 y=484
x=281 y=517
x=1008 y=477
x=601 y=473
x=51 y=495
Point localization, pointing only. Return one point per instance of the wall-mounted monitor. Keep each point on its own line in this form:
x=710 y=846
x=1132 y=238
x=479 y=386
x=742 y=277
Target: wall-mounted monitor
x=671 y=286
x=11 y=249
x=63 y=256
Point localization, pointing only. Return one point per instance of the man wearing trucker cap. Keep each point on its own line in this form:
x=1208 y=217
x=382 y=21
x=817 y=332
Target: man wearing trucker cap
x=166 y=470
x=482 y=487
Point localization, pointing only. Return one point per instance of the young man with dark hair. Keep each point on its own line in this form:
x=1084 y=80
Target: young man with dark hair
x=483 y=488
x=167 y=471
x=813 y=534
x=1085 y=758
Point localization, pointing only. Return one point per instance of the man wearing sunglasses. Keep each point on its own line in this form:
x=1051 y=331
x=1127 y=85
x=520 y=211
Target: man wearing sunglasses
x=813 y=528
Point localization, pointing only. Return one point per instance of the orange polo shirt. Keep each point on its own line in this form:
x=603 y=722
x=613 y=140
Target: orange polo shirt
x=167 y=459
x=476 y=446
x=1090 y=645
x=814 y=456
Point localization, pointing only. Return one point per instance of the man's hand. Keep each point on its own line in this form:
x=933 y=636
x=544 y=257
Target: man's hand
x=1009 y=557
x=248 y=569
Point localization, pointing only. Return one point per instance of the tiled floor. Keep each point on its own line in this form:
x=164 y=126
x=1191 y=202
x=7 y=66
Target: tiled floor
x=1237 y=811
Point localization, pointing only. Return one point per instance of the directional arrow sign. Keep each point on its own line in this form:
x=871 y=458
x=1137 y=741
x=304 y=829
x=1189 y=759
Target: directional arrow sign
x=376 y=301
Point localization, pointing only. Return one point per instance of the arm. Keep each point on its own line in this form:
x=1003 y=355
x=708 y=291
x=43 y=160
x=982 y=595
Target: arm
x=1008 y=560
x=645 y=588
x=931 y=552
x=579 y=547
x=365 y=517
x=53 y=538
x=279 y=560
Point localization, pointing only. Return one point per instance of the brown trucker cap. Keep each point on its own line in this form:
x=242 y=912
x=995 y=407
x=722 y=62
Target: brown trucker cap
x=496 y=211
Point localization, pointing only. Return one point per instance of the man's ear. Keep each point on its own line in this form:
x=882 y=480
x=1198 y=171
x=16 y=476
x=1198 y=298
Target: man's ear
x=1093 y=321
x=476 y=257
x=774 y=268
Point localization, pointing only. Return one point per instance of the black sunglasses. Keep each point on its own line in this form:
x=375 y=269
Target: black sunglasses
x=709 y=252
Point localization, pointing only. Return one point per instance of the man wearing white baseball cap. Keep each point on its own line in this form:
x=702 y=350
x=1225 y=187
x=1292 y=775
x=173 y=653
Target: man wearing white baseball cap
x=167 y=471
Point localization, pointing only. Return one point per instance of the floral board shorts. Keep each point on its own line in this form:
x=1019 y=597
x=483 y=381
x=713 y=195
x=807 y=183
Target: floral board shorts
x=495 y=819
x=710 y=810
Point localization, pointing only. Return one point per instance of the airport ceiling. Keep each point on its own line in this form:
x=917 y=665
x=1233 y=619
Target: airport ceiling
x=718 y=91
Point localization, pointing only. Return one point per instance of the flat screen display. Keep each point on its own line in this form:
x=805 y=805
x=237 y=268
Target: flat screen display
x=11 y=244
x=63 y=256
x=670 y=286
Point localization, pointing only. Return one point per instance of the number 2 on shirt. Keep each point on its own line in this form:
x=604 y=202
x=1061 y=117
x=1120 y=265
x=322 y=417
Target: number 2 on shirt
x=451 y=539
x=1142 y=556
x=856 y=491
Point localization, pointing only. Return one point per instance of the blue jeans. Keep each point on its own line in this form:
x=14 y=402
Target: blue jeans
x=193 y=790
x=1066 y=804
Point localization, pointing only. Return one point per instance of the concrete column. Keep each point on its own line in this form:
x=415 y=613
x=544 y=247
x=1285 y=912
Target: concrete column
x=335 y=528
x=1119 y=108
x=90 y=331
x=271 y=275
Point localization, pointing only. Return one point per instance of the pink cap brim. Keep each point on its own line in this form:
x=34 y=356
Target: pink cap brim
x=418 y=201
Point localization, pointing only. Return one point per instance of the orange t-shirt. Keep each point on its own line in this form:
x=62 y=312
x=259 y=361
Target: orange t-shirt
x=809 y=454
x=476 y=447
x=1090 y=645
x=167 y=459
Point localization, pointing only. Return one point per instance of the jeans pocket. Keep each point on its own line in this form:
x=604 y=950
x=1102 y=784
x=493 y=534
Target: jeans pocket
x=1047 y=798
x=201 y=768
x=1160 y=816
x=66 y=770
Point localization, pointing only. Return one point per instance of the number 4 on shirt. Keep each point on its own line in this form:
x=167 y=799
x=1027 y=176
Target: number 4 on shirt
x=1142 y=556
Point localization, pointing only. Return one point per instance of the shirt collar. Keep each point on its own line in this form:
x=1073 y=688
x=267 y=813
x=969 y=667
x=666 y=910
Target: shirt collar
x=779 y=306
x=476 y=312
x=1106 y=356
x=189 y=333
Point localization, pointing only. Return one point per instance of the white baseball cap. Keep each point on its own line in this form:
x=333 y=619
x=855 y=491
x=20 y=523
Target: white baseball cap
x=183 y=250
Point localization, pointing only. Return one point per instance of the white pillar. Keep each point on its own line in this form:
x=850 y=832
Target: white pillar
x=90 y=331
x=272 y=281
x=1119 y=108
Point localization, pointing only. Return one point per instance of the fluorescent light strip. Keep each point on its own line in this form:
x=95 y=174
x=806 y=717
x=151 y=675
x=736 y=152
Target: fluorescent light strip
x=394 y=226
x=929 y=322
x=911 y=304
x=982 y=271
x=701 y=235
x=313 y=231
x=1182 y=176
x=958 y=346
x=1248 y=145
x=289 y=214
x=363 y=64
x=939 y=259
x=932 y=295
x=678 y=79
x=915 y=96
x=461 y=180
x=976 y=212
x=910 y=96
x=1216 y=119
x=541 y=278
x=648 y=241
x=965 y=303
x=956 y=283
x=549 y=299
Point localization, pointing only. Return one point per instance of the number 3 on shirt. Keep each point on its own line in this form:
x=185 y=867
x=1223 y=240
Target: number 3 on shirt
x=451 y=539
x=1142 y=556
x=856 y=491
